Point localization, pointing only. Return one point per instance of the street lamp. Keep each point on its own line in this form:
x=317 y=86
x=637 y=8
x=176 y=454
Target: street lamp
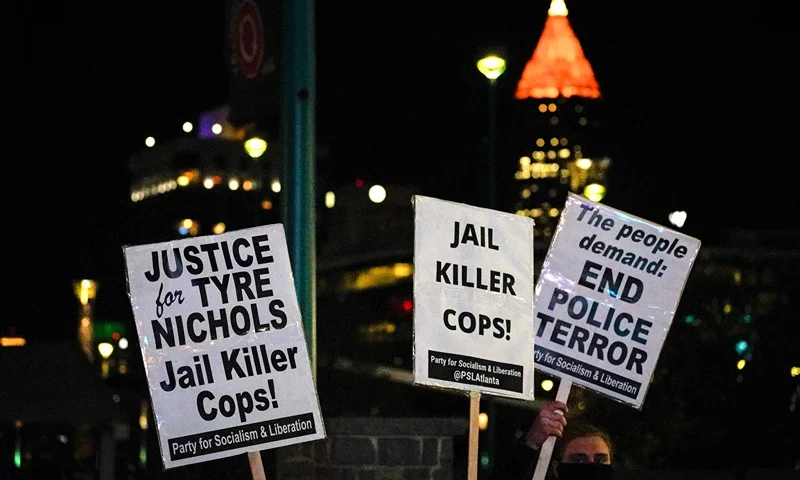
x=491 y=67
x=105 y=349
x=255 y=147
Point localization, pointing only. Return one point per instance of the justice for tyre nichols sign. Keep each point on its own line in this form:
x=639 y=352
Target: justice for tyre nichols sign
x=223 y=345
x=473 y=298
x=607 y=293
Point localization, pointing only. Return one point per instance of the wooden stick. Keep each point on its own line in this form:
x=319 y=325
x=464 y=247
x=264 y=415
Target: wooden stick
x=256 y=467
x=546 y=451
x=474 y=412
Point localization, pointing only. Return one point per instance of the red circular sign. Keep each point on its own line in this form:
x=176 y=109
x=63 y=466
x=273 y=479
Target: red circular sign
x=248 y=39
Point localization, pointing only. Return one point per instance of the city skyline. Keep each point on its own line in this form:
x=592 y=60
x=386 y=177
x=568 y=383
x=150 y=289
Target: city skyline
x=398 y=98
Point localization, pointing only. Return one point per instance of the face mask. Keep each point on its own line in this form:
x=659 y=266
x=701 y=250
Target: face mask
x=584 y=471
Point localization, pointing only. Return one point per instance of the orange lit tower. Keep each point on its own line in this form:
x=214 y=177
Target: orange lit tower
x=559 y=150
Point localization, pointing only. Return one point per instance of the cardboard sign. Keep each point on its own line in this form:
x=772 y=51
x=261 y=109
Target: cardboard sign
x=223 y=345
x=473 y=298
x=605 y=299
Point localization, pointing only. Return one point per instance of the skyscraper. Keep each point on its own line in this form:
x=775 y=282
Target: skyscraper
x=560 y=149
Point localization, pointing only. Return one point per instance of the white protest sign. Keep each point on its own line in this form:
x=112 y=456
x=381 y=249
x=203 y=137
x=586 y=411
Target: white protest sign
x=607 y=292
x=473 y=298
x=223 y=346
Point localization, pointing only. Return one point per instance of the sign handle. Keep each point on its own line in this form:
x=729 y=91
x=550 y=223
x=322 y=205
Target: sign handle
x=564 y=386
x=256 y=466
x=474 y=412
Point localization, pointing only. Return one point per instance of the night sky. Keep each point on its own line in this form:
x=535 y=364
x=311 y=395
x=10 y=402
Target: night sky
x=695 y=95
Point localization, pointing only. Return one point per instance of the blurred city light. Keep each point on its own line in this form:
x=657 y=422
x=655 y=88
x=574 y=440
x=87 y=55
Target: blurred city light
x=208 y=183
x=219 y=228
x=216 y=128
x=547 y=385
x=12 y=342
x=483 y=420
x=595 y=192
x=741 y=363
x=233 y=184
x=187 y=226
x=187 y=127
x=85 y=290
x=330 y=199
x=255 y=147
x=492 y=66
x=276 y=186
x=677 y=218
x=105 y=349
x=149 y=141
x=377 y=193
x=123 y=343
x=584 y=163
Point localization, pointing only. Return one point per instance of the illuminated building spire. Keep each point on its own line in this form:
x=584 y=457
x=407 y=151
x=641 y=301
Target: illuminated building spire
x=558 y=9
x=558 y=66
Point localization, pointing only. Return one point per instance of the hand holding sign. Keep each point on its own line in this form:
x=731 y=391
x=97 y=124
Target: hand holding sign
x=550 y=422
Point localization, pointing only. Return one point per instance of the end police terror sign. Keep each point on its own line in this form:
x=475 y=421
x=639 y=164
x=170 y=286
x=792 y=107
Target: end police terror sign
x=222 y=343
x=473 y=298
x=605 y=299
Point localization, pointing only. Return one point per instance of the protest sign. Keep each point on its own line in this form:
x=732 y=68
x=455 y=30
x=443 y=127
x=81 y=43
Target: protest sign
x=607 y=293
x=223 y=346
x=473 y=298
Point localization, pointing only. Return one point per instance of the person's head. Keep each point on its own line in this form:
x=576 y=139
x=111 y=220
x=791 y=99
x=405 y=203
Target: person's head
x=585 y=452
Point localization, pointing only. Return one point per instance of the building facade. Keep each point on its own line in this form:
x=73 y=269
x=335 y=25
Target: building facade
x=208 y=182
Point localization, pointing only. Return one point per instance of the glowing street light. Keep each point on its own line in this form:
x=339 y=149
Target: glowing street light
x=255 y=147
x=187 y=127
x=377 y=193
x=594 y=192
x=677 y=218
x=492 y=66
x=149 y=141
x=105 y=349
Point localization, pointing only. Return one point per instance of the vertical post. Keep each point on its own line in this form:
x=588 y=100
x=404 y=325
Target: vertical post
x=491 y=161
x=299 y=140
x=256 y=466
x=472 y=453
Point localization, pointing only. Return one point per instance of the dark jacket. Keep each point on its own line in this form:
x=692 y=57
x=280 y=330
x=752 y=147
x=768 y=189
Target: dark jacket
x=518 y=463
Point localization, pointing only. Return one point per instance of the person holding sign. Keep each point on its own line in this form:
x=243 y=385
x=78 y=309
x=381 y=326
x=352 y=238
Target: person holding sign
x=584 y=453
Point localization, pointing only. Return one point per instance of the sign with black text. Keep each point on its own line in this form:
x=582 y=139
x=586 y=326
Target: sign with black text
x=606 y=296
x=223 y=346
x=473 y=298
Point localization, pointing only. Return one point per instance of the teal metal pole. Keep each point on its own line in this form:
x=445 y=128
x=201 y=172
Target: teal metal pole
x=298 y=128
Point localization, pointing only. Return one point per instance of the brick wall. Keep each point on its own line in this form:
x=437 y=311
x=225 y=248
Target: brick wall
x=375 y=448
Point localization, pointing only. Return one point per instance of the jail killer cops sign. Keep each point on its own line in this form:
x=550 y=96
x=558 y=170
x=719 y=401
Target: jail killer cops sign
x=473 y=298
x=222 y=343
x=606 y=296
